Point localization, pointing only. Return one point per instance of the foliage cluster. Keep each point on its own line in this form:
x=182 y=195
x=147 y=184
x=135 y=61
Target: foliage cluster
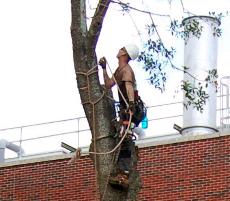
x=156 y=58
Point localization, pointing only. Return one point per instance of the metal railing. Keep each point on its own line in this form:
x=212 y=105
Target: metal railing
x=47 y=137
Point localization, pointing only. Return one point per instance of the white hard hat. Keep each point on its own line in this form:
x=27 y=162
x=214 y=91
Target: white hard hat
x=132 y=50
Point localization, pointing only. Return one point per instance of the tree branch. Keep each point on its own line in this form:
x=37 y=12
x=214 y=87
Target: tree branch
x=126 y=6
x=185 y=10
x=97 y=21
x=170 y=61
x=139 y=10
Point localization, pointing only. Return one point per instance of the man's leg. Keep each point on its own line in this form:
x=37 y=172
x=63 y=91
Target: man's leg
x=124 y=158
x=120 y=178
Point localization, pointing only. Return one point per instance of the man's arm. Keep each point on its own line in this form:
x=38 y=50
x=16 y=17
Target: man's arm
x=130 y=91
x=130 y=94
x=129 y=79
x=109 y=82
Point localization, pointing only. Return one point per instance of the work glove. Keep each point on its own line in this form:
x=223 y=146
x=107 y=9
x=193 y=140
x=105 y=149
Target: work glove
x=102 y=62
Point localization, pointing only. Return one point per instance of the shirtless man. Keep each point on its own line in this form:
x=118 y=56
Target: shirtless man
x=123 y=75
x=125 y=78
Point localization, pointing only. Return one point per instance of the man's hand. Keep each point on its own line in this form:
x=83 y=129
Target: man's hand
x=102 y=62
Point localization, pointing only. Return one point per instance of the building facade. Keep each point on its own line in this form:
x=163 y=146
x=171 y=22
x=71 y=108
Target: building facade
x=181 y=168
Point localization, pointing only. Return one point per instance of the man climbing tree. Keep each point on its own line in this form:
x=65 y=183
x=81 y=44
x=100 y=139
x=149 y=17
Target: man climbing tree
x=98 y=108
x=125 y=79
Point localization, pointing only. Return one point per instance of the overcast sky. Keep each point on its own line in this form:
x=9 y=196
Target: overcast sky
x=37 y=78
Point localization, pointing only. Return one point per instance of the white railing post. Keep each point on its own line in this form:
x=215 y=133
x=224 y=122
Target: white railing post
x=78 y=132
x=20 y=143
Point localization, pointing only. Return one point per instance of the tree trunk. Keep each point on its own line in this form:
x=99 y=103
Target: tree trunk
x=98 y=108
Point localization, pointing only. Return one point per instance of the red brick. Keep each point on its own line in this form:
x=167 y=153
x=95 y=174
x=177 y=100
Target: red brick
x=195 y=170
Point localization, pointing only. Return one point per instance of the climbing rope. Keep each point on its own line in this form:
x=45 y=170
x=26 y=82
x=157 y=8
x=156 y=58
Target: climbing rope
x=119 y=143
x=87 y=74
x=93 y=103
x=119 y=90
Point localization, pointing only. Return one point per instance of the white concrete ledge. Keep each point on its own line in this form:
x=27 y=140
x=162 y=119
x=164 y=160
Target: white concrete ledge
x=38 y=158
x=147 y=142
x=176 y=138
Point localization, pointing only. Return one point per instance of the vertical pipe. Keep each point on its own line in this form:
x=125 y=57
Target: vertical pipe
x=200 y=57
x=20 y=152
x=2 y=150
x=2 y=155
x=221 y=106
x=13 y=147
x=78 y=137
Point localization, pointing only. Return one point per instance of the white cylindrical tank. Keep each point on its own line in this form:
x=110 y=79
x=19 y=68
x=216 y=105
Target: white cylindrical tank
x=200 y=56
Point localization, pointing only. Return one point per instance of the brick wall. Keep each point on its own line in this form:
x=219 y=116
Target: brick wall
x=194 y=171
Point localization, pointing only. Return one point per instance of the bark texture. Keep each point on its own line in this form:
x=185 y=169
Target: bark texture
x=98 y=108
